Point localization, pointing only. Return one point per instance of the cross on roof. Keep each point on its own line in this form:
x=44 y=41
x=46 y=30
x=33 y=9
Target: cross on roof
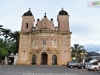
x=62 y=8
x=45 y=13
x=29 y=9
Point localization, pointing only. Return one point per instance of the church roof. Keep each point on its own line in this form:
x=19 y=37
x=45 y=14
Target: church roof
x=28 y=13
x=63 y=12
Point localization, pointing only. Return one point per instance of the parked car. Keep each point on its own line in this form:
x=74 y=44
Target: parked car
x=72 y=64
x=99 y=68
x=93 y=66
x=81 y=66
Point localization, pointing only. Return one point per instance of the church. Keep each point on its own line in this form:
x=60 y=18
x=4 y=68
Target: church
x=45 y=43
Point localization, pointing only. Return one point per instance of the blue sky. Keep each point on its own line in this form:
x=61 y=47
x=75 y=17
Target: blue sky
x=84 y=20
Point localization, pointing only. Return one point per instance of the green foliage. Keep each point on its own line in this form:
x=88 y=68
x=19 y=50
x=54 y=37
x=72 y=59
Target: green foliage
x=6 y=47
x=11 y=46
x=1 y=29
x=6 y=33
x=77 y=50
x=15 y=37
x=10 y=43
x=4 y=52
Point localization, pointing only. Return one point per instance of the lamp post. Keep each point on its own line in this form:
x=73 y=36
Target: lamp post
x=83 y=54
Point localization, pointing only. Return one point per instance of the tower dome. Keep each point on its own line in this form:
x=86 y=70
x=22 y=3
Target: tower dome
x=28 y=13
x=63 y=12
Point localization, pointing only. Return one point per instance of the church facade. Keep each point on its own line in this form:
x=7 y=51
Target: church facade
x=44 y=44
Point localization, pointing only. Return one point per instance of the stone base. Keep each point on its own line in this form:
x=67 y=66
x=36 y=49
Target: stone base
x=23 y=63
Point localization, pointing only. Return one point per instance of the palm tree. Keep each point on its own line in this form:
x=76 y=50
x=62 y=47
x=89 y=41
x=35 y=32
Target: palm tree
x=6 y=33
x=77 y=50
x=1 y=29
x=15 y=36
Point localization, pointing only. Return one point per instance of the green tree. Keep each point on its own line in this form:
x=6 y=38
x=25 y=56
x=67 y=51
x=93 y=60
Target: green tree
x=3 y=49
x=11 y=45
x=6 y=47
x=15 y=37
x=4 y=52
x=1 y=29
x=6 y=33
x=76 y=51
x=1 y=46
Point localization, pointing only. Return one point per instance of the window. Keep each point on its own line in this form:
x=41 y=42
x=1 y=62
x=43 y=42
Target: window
x=44 y=42
x=35 y=42
x=54 y=42
x=95 y=63
x=26 y=25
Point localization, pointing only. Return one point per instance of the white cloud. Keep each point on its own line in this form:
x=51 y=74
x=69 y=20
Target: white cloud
x=89 y=26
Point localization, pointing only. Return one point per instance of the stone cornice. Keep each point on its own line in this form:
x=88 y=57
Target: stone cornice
x=47 y=31
x=51 y=51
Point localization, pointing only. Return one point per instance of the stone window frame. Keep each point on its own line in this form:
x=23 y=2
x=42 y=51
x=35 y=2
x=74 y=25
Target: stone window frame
x=34 y=42
x=54 y=42
x=44 y=42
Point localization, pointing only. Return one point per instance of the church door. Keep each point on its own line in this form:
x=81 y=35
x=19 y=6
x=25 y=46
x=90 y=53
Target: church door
x=44 y=58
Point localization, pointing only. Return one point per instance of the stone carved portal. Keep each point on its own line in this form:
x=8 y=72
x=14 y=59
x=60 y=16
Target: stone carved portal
x=44 y=58
x=34 y=59
x=54 y=60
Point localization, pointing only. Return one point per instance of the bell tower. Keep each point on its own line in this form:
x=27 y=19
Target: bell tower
x=27 y=21
x=63 y=20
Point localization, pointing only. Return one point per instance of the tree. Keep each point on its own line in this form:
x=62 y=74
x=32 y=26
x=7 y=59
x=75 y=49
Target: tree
x=6 y=47
x=11 y=46
x=6 y=33
x=4 y=52
x=3 y=49
x=1 y=29
x=10 y=43
x=1 y=46
x=15 y=37
x=77 y=50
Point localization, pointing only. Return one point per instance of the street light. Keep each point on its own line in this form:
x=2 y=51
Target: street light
x=83 y=54
x=74 y=58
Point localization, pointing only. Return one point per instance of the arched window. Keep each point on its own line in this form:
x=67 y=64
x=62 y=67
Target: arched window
x=34 y=58
x=26 y=25
x=54 y=60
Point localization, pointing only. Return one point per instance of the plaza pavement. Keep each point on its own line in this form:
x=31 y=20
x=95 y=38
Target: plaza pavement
x=43 y=70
